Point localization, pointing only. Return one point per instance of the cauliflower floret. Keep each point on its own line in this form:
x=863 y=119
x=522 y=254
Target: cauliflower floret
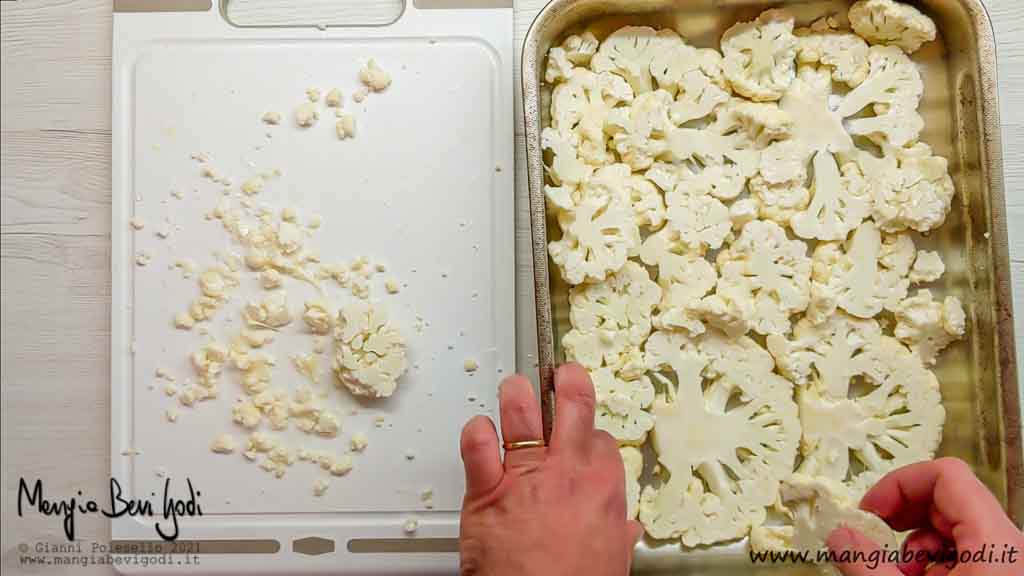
x=818 y=506
x=579 y=49
x=725 y=435
x=821 y=354
x=629 y=51
x=694 y=76
x=888 y=22
x=743 y=211
x=597 y=236
x=845 y=54
x=697 y=220
x=892 y=418
x=621 y=405
x=717 y=160
x=760 y=123
x=624 y=301
x=759 y=56
x=774 y=269
x=893 y=90
x=639 y=130
x=637 y=191
x=580 y=106
x=853 y=272
x=928 y=267
x=604 y=348
x=839 y=201
x=781 y=201
x=370 y=351
x=566 y=168
x=927 y=326
x=633 y=462
x=910 y=188
x=684 y=276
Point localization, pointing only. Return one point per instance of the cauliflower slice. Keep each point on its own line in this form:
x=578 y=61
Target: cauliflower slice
x=685 y=278
x=598 y=234
x=696 y=219
x=774 y=269
x=857 y=276
x=639 y=131
x=722 y=155
x=580 y=106
x=822 y=354
x=629 y=51
x=637 y=191
x=567 y=169
x=621 y=405
x=845 y=54
x=818 y=506
x=604 y=348
x=370 y=351
x=891 y=418
x=759 y=56
x=839 y=201
x=889 y=22
x=910 y=188
x=726 y=435
x=623 y=302
x=927 y=326
x=893 y=89
x=928 y=267
x=694 y=76
x=633 y=462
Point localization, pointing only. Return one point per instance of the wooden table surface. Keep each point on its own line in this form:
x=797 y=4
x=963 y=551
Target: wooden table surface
x=55 y=234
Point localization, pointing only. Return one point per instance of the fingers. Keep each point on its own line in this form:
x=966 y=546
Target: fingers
x=574 y=411
x=857 y=555
x=520 y=421
x=635 y=531
x=942 y=493
x=920 y=547
x=480 y=456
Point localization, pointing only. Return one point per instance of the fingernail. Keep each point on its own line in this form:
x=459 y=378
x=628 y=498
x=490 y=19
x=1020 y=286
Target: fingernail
x=840 y=539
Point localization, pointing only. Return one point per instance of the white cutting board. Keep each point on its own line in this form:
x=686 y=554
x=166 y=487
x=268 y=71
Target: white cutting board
x=425 y=188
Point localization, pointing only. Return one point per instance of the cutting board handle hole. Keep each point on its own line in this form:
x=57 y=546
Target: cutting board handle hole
x=312 y=13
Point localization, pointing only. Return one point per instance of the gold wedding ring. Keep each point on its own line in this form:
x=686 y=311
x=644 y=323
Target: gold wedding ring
x=509 y=446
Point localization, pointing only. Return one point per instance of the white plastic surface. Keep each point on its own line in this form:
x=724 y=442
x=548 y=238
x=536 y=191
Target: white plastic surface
x=425 y=188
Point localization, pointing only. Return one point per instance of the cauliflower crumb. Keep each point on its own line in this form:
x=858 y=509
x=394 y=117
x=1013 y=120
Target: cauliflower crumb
x=306 y=115
x=313 y=94
x=333 y=99
x=345 y=126
x=358 y=442
x=470 y=365
x=138 y=223
x=391 y=285
x=271 y=118
x=410 y=526
x=223 y=444
x=171 y=414
x=374 y=77
x=360 y=94
x=320 y=486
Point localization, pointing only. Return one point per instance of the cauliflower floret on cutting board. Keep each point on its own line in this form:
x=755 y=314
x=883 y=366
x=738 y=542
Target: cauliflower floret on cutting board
x=370 y=352
x=725 y=435
x=889 y=22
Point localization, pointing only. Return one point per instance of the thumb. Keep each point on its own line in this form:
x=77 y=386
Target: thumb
x=857 y=555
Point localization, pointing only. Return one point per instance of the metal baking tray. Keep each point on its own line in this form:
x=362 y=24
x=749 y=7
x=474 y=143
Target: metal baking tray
x=978 y=375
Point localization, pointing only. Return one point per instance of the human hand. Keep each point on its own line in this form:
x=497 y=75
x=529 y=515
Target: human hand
x=947 y=508
x=555 y=510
